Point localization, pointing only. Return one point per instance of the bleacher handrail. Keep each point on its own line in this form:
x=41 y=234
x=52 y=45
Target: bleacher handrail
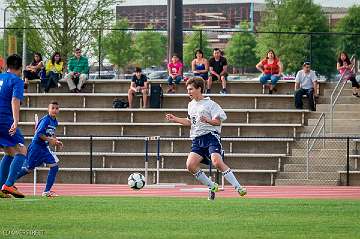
x=310 y=144
x=335 y=96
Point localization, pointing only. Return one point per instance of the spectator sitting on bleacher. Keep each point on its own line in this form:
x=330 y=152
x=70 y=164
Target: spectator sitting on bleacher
x=139 y=86
x=271 y=69
x=54 y=71
x=2 y=64
x=344 y=66
x=200 y=66
x=305 y=84
x=218 y=70
x=78 y=69
x=175 y=70
x=32 y=71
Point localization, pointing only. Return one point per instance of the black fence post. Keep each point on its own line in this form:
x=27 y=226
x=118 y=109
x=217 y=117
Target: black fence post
x=201 y=40
x=347 y=161
x=310 y=43
x=91 y=159
x=99 y=48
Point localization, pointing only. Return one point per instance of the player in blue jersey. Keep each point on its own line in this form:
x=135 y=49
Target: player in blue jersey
x=11 y=139
x=39 y=151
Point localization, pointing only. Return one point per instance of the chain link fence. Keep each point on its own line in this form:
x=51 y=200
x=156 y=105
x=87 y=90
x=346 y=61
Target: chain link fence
x=127 y=48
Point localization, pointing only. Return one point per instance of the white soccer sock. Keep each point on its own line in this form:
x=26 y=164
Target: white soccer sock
x=230 y=177
x=201 y=176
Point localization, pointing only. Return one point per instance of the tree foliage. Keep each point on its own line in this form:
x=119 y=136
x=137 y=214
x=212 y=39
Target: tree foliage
x=192 y=43
x=66 y=24
x=34 y=41
x=118 y=44
x=240 y=50
x=150 y=48
x=293 y=49
x=350 y=24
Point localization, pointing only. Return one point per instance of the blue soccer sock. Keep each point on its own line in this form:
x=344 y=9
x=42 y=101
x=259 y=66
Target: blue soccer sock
x=4 y=168
x=15 y=168
x=22 y=173
x=51 y=178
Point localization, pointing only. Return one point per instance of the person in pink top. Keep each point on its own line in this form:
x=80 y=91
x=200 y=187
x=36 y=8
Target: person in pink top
x=344 y=66
x=175 y=69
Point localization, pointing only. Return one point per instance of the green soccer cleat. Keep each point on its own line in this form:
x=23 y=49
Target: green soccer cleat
x=242 y=191
x=215 y=188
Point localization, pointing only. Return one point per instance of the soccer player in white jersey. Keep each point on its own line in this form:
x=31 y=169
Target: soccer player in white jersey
x=205 y=118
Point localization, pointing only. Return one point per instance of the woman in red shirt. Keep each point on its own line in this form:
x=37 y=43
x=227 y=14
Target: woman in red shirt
x=271 y=69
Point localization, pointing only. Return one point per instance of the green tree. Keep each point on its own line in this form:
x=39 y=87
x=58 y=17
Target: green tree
x=34 y=41
x=118 y=44
x=150 y=47
x=192 y=43
x=293 y=49
x=350 y=24
x=66 y=24
x=240 y=50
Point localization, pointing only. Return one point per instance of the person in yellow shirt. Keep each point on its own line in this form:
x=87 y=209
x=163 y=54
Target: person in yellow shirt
x=54 y=70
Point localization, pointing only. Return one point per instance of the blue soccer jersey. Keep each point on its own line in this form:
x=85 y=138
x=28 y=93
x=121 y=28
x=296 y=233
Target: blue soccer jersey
x=10 y=86
x=46 y=126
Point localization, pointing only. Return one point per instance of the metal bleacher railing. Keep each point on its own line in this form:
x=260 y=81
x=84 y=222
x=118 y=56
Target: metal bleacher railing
x=347 y=165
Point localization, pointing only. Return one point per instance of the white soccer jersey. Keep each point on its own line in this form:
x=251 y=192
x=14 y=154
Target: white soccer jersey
x=208 y=108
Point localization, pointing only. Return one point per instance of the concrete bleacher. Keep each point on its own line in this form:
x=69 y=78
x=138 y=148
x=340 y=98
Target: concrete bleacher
x=250 y=113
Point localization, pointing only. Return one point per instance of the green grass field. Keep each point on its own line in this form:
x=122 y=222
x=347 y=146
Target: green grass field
x=141 y=217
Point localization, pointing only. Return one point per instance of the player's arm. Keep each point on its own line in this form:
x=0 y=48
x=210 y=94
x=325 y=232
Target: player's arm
x=52 y=140
x=17 y=96
x=214 y=122
x=217 y=116
x=15 y=105
x=173 y=118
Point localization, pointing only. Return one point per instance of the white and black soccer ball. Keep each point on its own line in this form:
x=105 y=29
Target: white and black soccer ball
x=136 y=181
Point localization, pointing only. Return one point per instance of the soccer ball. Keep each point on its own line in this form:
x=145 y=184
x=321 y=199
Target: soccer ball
x=136 y=181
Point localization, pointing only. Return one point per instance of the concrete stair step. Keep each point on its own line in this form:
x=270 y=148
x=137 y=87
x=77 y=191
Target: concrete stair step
x=334 y=153
x=313 y=168
x=312 y=175
x=323 y=160
x=354 y=107
x=283 y=182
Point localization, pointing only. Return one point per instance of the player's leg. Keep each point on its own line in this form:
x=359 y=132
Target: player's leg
x=5 y=167
x=15 y=168
x=51 y=160
x=218 y=162
x=192 y=165
x=50 y=181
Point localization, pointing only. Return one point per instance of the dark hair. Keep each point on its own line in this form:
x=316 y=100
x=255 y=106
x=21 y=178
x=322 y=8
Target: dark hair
x=137 y=69
x=306 y=63
x=197 y=82
x=347 y=59
x=53 y=57
x=37 y=54
x=271 y=50
x=77 y=49
x=14 y=62
x=199 y=51
x=54 y=103
x=216 y=49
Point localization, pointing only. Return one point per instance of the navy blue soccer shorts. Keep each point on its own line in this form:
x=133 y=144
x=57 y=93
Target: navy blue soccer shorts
x=207 y=144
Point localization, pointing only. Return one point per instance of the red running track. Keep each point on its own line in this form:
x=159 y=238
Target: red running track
x=319 y=192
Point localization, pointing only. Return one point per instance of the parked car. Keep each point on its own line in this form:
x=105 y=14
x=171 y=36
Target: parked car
x=104 y=75
x=158 y=75
x=233 y=77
